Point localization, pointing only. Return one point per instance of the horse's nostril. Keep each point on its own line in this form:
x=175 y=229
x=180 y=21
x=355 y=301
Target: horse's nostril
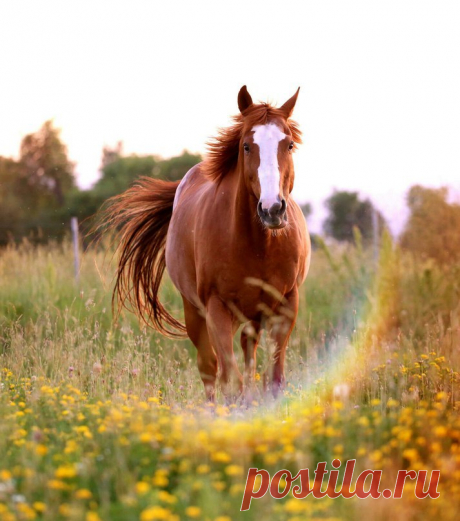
x=278 y=208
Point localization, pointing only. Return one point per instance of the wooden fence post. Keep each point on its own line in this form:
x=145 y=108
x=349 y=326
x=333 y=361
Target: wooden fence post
x=76 y=249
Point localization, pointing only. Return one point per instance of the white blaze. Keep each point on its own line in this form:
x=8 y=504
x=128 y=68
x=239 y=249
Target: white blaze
x=268 y=138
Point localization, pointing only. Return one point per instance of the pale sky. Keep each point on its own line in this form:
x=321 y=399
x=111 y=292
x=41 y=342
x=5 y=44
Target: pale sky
x=379 y=103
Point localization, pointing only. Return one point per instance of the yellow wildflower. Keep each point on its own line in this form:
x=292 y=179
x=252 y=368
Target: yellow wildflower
x=154 y=513
x=65 y=510
x=39 y=506
x=41 y=450
x=166 y=497
x=5 y=475
x=142 y=488
x=440 y=431
x=83 y=493
x=65 y=471
x=221 y=457
x=193 y=511
x=92 y=516
x=26 y=511
x=233 y=470
x=410 y=454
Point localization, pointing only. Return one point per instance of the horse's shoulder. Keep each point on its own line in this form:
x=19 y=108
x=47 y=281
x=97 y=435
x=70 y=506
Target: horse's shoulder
x=193 y=177
x=299 y=218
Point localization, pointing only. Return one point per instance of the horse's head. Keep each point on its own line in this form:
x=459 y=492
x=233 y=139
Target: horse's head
x=267 y=142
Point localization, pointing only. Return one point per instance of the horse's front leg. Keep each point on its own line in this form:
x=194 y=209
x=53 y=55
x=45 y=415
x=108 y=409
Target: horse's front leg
x=220 y=324
x=250 y=336
x=281 y=331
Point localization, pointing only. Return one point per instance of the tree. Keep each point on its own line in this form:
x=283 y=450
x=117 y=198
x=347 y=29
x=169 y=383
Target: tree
x=33 y=190
x=346 y=211
x=433 y=227
x=39 y=193
x=46 y=167
x=12 y=210
x=176 y=167
x=120 y=172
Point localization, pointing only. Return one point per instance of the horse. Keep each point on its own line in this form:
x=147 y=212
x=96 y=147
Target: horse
x=234 y=243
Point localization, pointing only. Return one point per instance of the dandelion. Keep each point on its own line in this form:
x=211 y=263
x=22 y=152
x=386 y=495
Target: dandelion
x=41 y=450
x=92 y=516
x=154 y=513
x=160 y=481
x=363 y=421
x=233 y=470
x=410 y=454
x=294 y=506
x=39 y=506
x=5 y=475
x=65 y=510
x=142 y=488
x=166 y=497
x=65 y=472
x=83 y=493
x=221 y=457
x=193 y=511
x=440 y=431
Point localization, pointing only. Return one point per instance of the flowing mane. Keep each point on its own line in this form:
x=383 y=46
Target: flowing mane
x=223 y=149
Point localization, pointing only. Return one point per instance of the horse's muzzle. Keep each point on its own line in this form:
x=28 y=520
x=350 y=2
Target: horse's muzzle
x=275 y=217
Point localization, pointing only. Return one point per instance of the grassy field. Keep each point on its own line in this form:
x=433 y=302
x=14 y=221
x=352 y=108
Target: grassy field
x=107 y=421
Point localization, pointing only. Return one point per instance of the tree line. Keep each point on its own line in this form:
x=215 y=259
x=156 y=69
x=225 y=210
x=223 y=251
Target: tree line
x=39 y=195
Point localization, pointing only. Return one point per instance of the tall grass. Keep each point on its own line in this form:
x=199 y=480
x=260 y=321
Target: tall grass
x=50 y=323
x=105 y=419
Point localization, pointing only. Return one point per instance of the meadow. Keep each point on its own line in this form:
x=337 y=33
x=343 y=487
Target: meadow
x=104 y=419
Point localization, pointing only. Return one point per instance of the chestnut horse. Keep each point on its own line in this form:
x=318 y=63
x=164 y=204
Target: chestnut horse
x=234 y=242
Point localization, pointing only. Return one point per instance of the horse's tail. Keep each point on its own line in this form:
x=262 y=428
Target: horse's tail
x=142 y=215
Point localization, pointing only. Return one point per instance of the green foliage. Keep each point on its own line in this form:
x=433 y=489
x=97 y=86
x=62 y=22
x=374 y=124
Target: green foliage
x=34 y=189
x=38 y=194
x=119 y=172
x=45 y=165
x=433 y=228
x=11 y=202
x=347 y=211
x=175 y=168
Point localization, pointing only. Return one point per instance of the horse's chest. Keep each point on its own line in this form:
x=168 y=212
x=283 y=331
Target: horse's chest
x=253 y=282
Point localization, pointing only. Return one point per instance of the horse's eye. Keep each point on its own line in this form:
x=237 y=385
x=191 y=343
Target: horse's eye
x=246 y=147
x=291 y=145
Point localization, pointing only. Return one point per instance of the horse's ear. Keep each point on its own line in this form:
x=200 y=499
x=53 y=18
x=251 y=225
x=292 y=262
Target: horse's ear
x=288 y=107
x=244 y=99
